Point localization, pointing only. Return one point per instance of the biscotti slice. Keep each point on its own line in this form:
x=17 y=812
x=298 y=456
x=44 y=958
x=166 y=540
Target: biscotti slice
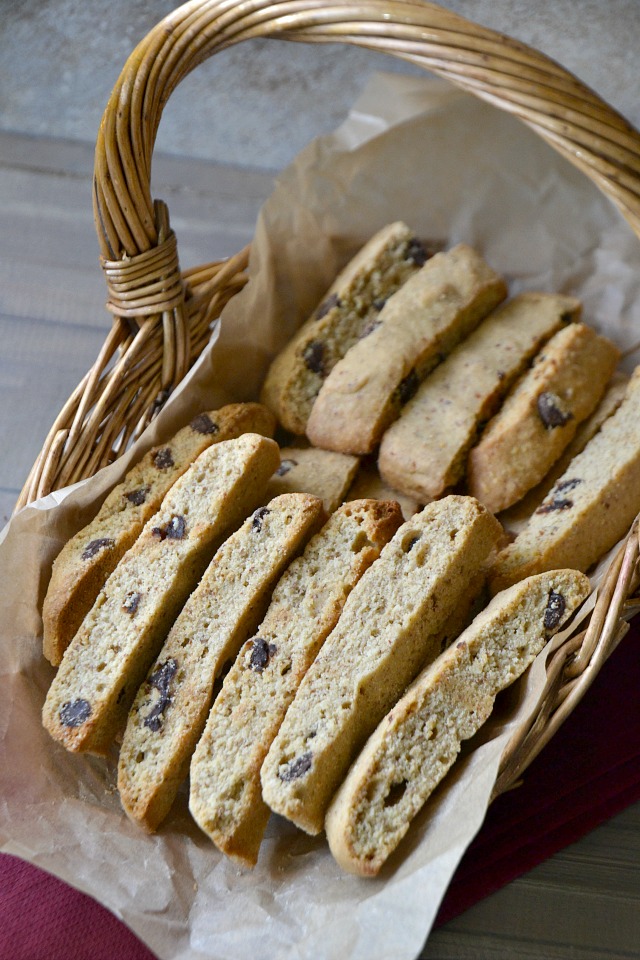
x=108 y=658
x=171 y=706
x=425 y=451
x=589 y=508
x=390 y=627
x=351 y=303
x=369 y=484
x=326 y=474
x=84 y=563
x=226 y=798
x=418 y=741
x=514 y=518
x=540 y=416
x=417 y=327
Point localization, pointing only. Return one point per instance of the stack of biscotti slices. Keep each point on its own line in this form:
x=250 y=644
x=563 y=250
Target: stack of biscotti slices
x=304 y=628
x=82 y=567
x=109 y=656
x=417 y=742
x=451 y=388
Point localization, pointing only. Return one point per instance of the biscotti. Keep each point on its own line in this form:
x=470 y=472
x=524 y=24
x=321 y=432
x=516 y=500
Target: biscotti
x=514 y=518
x=323 y=473
x=369 y=484
x=226 y=799
x=540 y=416
x=416 y=328
x=108 y=658
x=351 y=304
x=425 y=451
x=85 y=562
x=419 y=740
x=390 y=627
x=589 y=508
x=171 y=706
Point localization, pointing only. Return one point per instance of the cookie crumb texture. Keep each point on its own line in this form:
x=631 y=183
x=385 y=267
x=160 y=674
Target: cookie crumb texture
x=540 y=416
x=351 y=305
x=305 y=469
x=86 y=561
x=416 y=329
x=119 y=638
x=425 y=451
x=226 y=798
x=171 y=706
x=391 y=625
x=418 y=741
x=589 y=508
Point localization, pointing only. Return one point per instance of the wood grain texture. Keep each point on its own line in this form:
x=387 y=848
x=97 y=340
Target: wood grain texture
x=52 y=293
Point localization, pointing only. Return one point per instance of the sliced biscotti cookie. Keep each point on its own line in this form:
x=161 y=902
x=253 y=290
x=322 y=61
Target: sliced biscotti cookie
x=326 y=474
x=514 y=518
x=350 y=305
x=86 y=561
x=369 y=484
x=417 y=327
x=170 y=709
x=109 y=656
x=418 y=741
x=589 y=508
x=540 y=416
x=425 y=451
x=391 y=625
x=226 y=798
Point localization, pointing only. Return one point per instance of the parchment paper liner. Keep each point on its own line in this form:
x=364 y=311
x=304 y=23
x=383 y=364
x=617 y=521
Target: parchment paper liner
x=456 y=170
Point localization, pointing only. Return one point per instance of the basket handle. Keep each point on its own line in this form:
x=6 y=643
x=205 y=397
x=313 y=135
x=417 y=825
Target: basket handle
x=162 y=315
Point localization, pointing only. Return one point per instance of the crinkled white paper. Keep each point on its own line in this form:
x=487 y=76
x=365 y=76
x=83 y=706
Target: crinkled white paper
x=455 y=170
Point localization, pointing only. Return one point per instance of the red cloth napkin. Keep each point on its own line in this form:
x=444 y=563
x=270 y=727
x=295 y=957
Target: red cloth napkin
x=43 y=919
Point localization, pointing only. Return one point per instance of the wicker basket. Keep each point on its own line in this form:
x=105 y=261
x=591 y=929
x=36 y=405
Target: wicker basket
x=163 y=317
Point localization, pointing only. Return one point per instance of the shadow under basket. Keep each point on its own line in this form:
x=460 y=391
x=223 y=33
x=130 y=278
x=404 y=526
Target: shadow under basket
x=163 y=316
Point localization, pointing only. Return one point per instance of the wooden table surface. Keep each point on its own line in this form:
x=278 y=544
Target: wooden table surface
x=584 y=903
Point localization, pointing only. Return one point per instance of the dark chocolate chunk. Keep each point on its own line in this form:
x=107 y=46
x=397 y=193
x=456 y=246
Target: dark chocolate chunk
x=285 y=466
x=408 y=387
x=370 y=327
x=258 y=517
x=314 y=357
x=204 y=424
x=137 y=497
x=557 y=503
x=417 y=252
x=566 y=485
x=297 y=768
x=131 y=603
x=333 y=300
x=555 y=609
x=92 y=548
x=74 y=713
x=549 y=411
x=174 y=529
x=161 y=680
x=162 y=459
x=261 y=652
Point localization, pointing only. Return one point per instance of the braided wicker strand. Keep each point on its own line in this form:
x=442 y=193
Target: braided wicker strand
x=162 y=318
